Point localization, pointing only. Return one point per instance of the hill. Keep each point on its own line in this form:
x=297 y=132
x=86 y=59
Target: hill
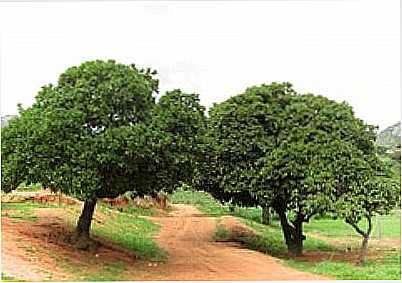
x=391 y=136
x=5 y=119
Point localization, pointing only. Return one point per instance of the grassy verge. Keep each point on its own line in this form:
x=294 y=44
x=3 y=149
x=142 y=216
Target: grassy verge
x=126 y=229
x=268 y=239
x=22 y=211
x=386 y=268
x=7 y=278
x=130 y=231
x=91 y=271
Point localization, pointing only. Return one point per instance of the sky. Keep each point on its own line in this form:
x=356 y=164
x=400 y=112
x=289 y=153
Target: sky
x=344 y=50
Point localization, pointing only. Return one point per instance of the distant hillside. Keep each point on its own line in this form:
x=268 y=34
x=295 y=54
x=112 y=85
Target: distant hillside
x=5 y=119
x=391 y=136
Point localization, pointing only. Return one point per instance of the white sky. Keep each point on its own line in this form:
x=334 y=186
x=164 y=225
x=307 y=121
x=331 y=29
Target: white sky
x=345 y=50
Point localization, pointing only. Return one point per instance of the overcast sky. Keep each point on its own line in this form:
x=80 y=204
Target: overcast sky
x=345 y=50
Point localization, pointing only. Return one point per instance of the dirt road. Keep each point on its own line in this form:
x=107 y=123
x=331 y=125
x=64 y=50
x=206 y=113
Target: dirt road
x=186 y=236
x=32 y=251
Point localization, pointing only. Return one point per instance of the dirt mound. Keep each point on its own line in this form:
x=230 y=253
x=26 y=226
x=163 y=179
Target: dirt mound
x=41 y=196
x=34 y=251
x=57 y=198
x=235 y=228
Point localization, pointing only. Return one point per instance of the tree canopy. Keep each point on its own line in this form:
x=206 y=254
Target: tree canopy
x=293 y=152
x=99 y=133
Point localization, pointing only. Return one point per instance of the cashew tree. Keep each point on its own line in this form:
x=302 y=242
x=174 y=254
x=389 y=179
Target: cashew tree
x=91 y=136
x=288 y=151
x=374 y=192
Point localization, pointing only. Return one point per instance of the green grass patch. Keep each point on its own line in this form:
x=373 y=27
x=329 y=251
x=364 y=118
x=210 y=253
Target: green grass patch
x=29 y=188
x=269 y=239
x=22 y=211
x=134 y=210
x=388 y=268
x=111 y=271
x=221 y=233
x=202 y=200
x=386 y=226
x=7 y=278
x=92 y=271
x=128 y=230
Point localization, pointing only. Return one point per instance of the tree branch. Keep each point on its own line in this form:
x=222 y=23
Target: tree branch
x=370 y=227
x=358 y=230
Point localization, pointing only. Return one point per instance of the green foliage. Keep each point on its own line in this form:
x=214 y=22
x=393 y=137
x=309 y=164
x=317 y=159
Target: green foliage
x=99 y=133
x=182 y=118
x=65 y=140
x=295 y=153
x=31 y=188
x=377 y=193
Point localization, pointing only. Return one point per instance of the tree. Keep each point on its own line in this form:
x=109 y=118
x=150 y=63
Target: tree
x=89 y=136
x=225 y=157
x=181 y=116
x=288 y=151
x=374 y=191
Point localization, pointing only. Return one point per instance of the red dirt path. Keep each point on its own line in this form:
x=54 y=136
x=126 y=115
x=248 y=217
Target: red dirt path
x=186 y=236
x=33 y=251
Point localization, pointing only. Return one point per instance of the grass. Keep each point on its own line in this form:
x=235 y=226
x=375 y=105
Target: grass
x=130 y=231
x=387 y=268
x=7 y=278
x=221 y=233
x=386 y=226
x=126 y=229
x=269 y=239
x=134 y=210
x=202 y=200
x=111 y=271
x=29 y=188
x=91 y=271
x=22 y=211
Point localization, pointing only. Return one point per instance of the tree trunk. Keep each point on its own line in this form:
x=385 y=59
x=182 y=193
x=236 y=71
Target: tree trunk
x=365 y=235
x=231 y=208
x=85 y=220
x=298 y=238
x=364 y=250
x=293 y=234
x=266 y=215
